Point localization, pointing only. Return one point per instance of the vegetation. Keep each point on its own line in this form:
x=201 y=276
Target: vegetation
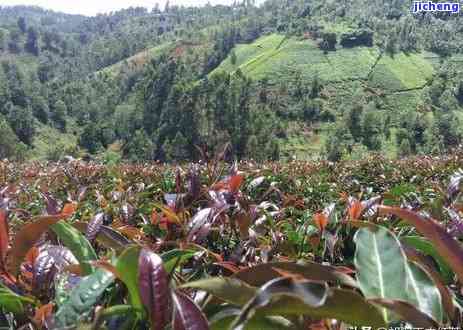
x=292 y=246
x=151 y=173
x=291 y=68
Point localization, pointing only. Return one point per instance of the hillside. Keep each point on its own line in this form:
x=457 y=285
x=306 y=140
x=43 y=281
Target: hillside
x=272 y=82
x=397 y=80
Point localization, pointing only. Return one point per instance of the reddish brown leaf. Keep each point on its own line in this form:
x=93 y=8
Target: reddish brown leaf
x=447 y=247
x=42 y=314
x=69 y=209
x=321 y=221
x=4 y=236
x=131 y=232
x=74 y=269
x=228 y=265
x=314 y=241
x=262 y=273
x=243 y=220
x=27 y=237
x=187 y=315
x=32 y=255
x=235 y=182
x=283 y=273
x=154 y=289
x=355 y=210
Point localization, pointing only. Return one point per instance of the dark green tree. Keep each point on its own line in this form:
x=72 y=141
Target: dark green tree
x=22 y=24
x=58 y=115
x=32 y=43
x=22 y=123
x=10 y=146
x=90 y=138
x=372 y=129
x=139 y=147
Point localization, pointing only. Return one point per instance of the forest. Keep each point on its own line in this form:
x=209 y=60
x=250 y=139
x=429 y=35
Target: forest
x=287 y=79
x=287 y=164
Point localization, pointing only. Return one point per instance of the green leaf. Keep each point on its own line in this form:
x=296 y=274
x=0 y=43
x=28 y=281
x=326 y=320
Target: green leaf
x=311 y=294
x=175 y=257
x=408 y=312
x=83 y=297
x=127 y=311
x=107 y=236
x=446 y=245
x=260 y=274
x=224 y=319
x=384 y=272
x=343 y=305
x=230 y=290
x=77 y=243
x=127 y=266
x=426 y=247
x=12 y=302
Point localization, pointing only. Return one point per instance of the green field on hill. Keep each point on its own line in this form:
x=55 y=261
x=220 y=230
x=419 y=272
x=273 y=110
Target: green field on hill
x=279 y=58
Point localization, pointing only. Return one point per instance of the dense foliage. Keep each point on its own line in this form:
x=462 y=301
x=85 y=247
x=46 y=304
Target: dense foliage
x=218 y=246
x=119 y=81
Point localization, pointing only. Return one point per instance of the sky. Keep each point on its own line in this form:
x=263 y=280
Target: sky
x=93 y=7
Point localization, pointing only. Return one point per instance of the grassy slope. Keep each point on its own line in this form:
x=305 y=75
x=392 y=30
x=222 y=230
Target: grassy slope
x=49 y=139
x=278 y=59
x=275 y=57
x=137 y=62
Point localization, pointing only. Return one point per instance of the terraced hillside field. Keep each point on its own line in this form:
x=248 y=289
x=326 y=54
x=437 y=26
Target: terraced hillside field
x=278 y=58
x=396 y=80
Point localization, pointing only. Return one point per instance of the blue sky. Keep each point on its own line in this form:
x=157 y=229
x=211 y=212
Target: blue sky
x=92 y=7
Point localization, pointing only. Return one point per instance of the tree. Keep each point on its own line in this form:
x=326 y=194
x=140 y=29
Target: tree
x=10 y=146
x=22 y=24
x=2 y=40
x=273 y=149
x=339 y=143
x=449 y=128
x=329 y=40
x=22 y=122
x=405 y=148
x=353 y=120
x=316 y=87
x=13 y=44
x=447 y=101
x=392 y=43
x=4 y=91
x=59 y=115
x=90 y=138
x=139 y=147
x=459 y=94
x=32 y=44
x=233 y=58
x=311 y=109
x=361 y=37
x=16 y=83
x=372 y=129
x=40 y=108
x=252 y=148
x=177 y=149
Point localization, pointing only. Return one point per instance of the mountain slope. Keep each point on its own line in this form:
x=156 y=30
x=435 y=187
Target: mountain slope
x=277 y=58
x=305 y=79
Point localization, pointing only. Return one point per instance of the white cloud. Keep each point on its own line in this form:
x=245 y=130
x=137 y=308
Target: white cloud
x=92 y=7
